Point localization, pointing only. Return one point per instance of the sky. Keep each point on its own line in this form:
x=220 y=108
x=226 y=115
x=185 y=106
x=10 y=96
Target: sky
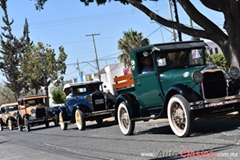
x=70 y=24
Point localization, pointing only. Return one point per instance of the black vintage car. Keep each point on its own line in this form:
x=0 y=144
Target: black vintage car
x=85 y=102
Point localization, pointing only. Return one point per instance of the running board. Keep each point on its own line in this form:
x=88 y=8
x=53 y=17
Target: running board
x=146 y=118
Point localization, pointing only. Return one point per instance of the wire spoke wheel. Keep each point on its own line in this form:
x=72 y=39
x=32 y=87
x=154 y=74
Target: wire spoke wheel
x=80 y=121
x=179 y=117
x=27 y=125
x=10 y=125
x=20 y=127
x=126 y=125
x=63 y=125
x=1 y=127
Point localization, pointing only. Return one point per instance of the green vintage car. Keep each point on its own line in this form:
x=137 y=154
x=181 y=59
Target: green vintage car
x=180 y=87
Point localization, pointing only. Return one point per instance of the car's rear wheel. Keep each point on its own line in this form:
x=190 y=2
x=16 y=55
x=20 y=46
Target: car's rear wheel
x=63 y=125
x=99 y=121
x=56 y=120
x=80 y=121
x=47 y=124
x=19 y=125
x=179 y=117
x=27 y=125
x=10 y=124
x=1 y=127
x=125 y=123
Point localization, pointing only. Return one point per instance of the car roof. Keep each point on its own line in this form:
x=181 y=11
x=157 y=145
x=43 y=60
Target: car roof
x=69 y=85
x=172 y=46
x=8 y=104
x=32 y=97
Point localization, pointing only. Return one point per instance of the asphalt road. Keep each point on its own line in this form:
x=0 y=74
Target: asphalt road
x=211 y=139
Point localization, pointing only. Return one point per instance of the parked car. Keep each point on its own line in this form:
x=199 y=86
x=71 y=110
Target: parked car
x=34 y=111
x=8 y=115
x=85 y=102
x=181 y=86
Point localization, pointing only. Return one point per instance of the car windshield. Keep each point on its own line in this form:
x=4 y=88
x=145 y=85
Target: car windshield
x=79 y=90
x=180 y=58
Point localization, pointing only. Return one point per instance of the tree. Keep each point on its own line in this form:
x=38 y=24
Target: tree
x=12 y=49
x=6 y=95
x=58 y=97
x=219 y=60
x=40 y=68
x=131 y=39
x=228 y=41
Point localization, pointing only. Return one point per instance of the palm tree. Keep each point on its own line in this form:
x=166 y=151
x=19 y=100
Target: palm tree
x=131 y=39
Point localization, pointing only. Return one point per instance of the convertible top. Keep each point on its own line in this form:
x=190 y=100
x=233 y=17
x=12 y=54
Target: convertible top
x=69 y=85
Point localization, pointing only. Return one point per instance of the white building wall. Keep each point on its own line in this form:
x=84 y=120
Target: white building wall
x=213 y=46
x=111 y=71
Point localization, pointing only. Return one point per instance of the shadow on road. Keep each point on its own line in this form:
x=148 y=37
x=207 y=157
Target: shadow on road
x=203 y=126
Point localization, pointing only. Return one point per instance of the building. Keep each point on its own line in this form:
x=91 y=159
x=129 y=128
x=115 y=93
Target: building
x=213 y=47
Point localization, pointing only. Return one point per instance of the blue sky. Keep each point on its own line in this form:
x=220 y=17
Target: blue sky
x=67 y=23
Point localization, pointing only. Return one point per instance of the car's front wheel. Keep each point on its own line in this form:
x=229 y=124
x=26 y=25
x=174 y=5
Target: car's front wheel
x=80 y=121
x=10 y=124
x=125 y=123
x=179 y=116
x=56 y=120
x=27 y=125
x=63 y=125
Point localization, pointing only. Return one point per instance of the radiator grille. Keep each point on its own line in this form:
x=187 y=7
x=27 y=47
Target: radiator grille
x=98 y=101
x=40 y=113
x=214 y=84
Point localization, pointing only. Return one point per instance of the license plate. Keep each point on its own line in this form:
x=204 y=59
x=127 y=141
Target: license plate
x=99 y=101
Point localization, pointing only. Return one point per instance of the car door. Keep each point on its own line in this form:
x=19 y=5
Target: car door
x=148 y=89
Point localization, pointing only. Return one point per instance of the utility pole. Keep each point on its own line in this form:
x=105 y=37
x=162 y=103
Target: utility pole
x=78 y=68
x=171 y=18
x=95 y=50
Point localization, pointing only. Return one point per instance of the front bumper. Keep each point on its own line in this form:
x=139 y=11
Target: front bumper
x=207 y=103
x=40 y=120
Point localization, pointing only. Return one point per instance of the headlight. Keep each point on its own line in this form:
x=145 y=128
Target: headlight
x=234 y=72
x=197 y=76
x=33 y=111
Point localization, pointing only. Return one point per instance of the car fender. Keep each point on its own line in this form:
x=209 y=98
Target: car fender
x=182 y=89
x=83 y=108
x=26 y=116
x=65 y=115
x=10 y=118
x=20 y=119
x=131 y=104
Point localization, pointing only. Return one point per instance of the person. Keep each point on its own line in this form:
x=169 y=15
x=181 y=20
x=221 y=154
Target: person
x=176 y=58
x=147 y=63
